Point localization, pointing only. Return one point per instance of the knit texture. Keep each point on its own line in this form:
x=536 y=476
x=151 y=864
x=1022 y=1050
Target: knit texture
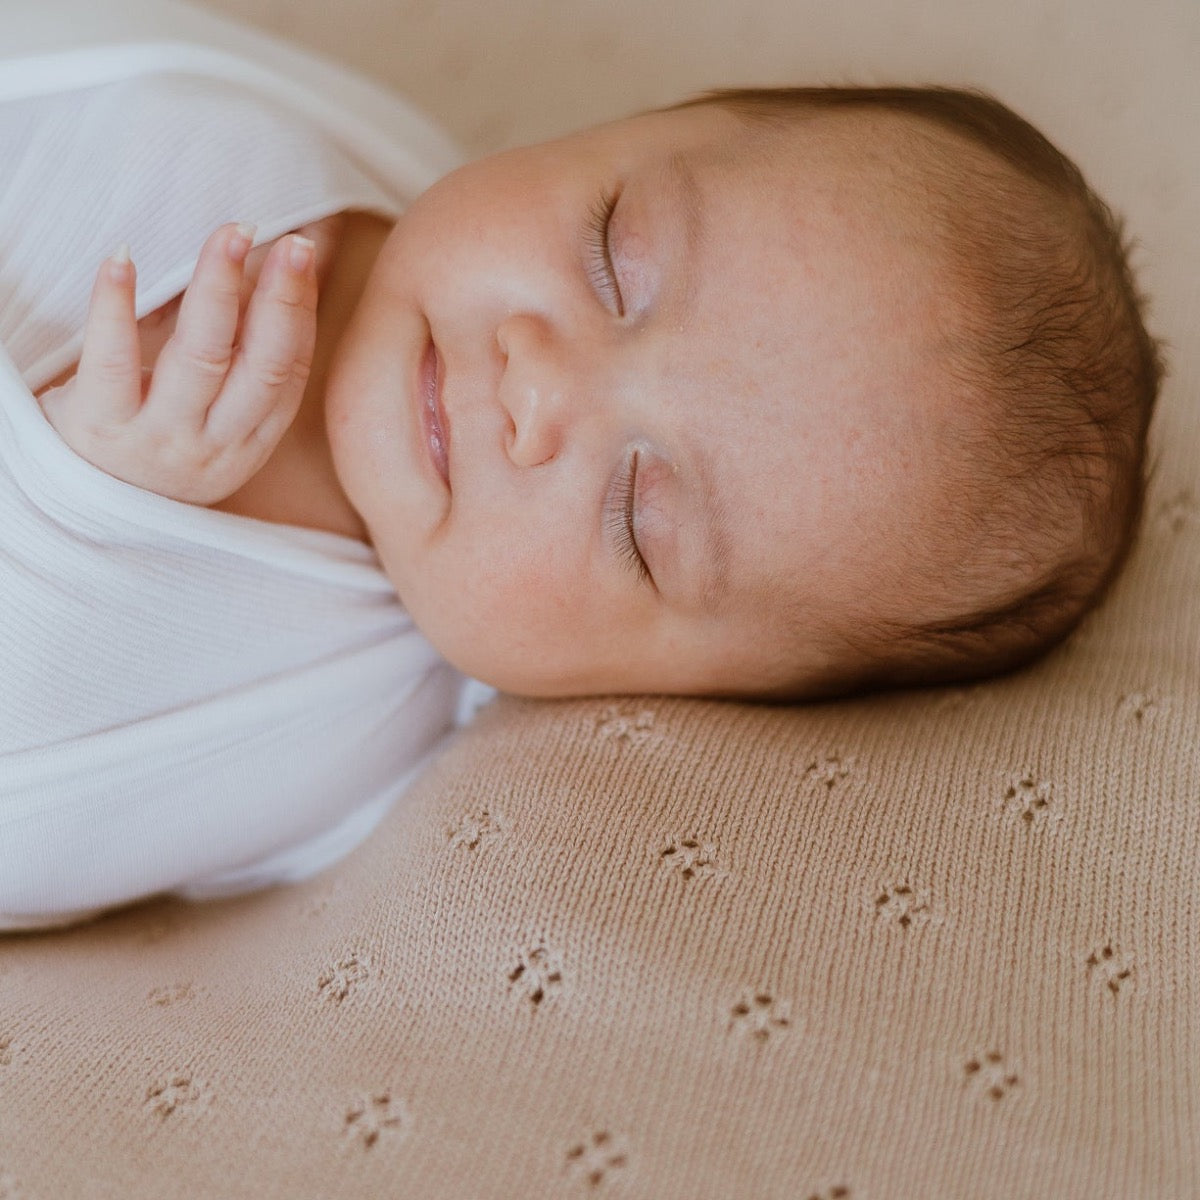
x=941 y=944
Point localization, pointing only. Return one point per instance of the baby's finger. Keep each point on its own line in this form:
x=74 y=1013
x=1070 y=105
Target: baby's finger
x=193 y=365
x=272 y=364
x=110 y=364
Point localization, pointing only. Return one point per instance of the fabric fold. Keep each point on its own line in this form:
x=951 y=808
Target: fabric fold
x=191 y=700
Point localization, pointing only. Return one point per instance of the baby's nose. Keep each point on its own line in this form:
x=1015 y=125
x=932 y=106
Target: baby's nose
x=533 y=390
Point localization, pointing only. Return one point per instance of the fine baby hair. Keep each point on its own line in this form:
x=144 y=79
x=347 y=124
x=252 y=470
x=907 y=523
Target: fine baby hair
x=1057 y=364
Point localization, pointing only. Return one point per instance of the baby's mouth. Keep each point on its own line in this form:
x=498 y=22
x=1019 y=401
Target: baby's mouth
x=434 y=426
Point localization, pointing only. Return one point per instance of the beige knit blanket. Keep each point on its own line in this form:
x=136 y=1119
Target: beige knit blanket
x=939 y=945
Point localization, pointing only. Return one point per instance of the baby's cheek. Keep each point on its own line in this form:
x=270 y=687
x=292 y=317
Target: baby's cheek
x=529 y=586
x=527 y=595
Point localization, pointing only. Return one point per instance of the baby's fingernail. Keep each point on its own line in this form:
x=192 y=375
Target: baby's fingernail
x=118 y=263
x=241 y=241
x=301 y=252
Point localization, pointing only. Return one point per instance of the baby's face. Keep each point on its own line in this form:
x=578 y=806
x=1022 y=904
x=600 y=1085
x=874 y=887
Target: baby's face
x=666 y=425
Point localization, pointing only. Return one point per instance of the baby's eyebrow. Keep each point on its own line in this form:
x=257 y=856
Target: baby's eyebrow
x=686 y=196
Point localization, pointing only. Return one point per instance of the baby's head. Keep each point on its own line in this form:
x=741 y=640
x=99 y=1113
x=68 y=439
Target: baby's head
x=775 y=394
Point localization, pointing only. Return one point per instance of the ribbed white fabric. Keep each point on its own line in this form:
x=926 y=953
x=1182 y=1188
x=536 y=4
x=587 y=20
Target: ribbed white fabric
x=190 y=701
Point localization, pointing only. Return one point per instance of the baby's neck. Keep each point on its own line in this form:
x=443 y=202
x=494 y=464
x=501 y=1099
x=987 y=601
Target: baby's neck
x=298 y=484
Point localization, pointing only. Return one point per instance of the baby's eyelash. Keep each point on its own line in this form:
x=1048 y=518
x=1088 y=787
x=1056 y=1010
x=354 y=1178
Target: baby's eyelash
x=619 y=519
x=601 y=270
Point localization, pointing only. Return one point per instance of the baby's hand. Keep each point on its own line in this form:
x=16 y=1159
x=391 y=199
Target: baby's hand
x=211 y=413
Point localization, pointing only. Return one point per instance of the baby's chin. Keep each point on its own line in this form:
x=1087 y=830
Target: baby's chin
x=521 y=670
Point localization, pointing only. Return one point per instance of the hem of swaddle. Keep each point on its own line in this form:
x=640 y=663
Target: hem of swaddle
x=37 y=922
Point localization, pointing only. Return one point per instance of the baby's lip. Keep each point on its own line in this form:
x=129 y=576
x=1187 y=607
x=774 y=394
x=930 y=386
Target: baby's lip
x=435 y=428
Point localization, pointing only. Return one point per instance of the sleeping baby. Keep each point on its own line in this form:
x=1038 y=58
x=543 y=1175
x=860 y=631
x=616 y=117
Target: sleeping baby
x=774 y=394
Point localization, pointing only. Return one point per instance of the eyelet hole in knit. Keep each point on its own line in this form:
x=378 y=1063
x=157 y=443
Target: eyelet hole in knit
x=174 y=1093
x=625 y=725
x=690 y=857
x=903 y=906
x=1178 y=510
x=173 y=993
x=335 y=983
x=537 y=975
x=373 y=1115
x=829 y=769
x=598 y=1156
x=759 y=1015
x=1140 y=707
x=1027 y=798
x=989 y=1075
x=1111 y=968
x=476 y=828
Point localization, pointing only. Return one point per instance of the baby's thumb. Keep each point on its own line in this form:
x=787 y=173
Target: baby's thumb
x=109 y=376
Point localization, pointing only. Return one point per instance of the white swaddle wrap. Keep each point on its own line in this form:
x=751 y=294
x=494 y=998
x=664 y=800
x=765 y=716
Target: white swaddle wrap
x=190 y=701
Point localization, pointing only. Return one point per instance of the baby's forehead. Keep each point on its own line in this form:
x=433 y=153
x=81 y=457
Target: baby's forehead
x=887 y=167
x=819 y=221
